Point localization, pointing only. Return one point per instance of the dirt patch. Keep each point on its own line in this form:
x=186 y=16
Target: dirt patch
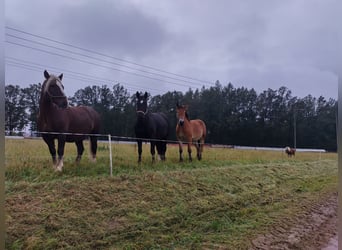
x=315 y=228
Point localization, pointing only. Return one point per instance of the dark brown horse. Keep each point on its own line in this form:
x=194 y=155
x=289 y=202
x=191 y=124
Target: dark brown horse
x=290 y=151
x=189 y=131
x=55 y=116
x=153 y=126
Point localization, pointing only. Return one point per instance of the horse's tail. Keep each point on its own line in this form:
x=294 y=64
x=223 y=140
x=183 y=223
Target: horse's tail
x=168 y=130
x=96 y=118
x=204 y=130
x=93 y=147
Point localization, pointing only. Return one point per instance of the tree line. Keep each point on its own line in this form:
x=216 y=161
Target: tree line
x=234 y=116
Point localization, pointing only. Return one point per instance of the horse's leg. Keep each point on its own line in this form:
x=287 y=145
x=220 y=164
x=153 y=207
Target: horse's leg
x=60 y=151
x=139 y=150
x=198 y=149
x=159 y=150
x=180 y=150
x=51 y=144
x=201 y=147
x=153 y=144
x=93 y=147
x=163 y=150
x=189 y=148
x=80 y=149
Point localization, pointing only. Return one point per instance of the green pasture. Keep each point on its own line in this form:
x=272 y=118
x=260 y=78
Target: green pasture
x=223 y=201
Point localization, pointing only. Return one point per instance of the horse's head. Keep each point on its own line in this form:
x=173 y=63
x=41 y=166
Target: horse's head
x=182 y=113
x=141 y=104
x=53 y=89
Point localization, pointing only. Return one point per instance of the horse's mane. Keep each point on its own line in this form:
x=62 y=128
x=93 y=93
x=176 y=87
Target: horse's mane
x=187 y=116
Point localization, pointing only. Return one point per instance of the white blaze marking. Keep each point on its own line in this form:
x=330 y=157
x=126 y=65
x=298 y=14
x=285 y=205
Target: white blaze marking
x=58 y=83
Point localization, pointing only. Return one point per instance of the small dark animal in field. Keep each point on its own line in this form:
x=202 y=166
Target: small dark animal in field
x=290 y=151
x=151 y=126
x=189 y=131
x=55 y=116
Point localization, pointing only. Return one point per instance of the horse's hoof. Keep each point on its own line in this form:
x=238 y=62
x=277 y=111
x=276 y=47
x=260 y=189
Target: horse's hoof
x=58 y=169
x=59 y=166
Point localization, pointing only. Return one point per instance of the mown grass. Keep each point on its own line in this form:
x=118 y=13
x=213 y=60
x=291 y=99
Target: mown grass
x=221 y=202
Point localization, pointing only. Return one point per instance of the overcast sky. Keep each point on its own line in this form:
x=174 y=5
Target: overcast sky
x=256 y=44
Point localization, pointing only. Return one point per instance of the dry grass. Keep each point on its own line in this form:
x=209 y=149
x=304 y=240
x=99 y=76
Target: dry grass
x=220 y=202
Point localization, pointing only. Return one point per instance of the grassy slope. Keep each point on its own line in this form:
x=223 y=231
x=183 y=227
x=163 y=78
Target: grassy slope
x=222 y=201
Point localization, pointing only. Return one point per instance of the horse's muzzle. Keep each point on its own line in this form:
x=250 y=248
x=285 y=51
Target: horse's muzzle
x=64 y=105
x=61 y=103
x=141 y=113
x=181 y=122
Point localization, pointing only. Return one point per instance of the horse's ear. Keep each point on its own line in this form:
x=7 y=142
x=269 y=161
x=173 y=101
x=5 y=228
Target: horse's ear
x=46 y=75
x=60 y=76
x=186 y=107
x=137 y=94
x=145 y=96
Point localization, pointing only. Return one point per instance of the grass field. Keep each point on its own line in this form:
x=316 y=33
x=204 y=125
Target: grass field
x=224 y=201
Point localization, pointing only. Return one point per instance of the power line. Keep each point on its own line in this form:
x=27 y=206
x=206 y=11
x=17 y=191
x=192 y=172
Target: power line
x=98 y=59
x=37 y=69
x=94 y=78
x=104 y=55
x=96 y=64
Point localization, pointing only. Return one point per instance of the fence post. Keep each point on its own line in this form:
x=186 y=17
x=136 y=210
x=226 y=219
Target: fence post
x=110 y=154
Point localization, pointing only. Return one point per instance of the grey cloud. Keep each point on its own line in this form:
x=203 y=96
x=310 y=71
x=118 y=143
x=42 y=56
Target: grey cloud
x=249 y=43
x=112 y=26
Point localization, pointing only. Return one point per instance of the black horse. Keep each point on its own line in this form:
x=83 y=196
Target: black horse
x=153 y=126
x=56 y=116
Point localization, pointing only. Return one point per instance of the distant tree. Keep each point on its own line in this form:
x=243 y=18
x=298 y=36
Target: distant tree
x=273 y=117
x=236 y=116
x=305 y=118
x=89 y=96
x=15 y=114
x=112 y=104
x=31 y=99
x=119 y=119
x=242 y=117
x=120 y=97
x=325 y=126
x=211 y=110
